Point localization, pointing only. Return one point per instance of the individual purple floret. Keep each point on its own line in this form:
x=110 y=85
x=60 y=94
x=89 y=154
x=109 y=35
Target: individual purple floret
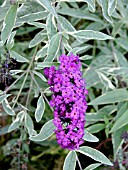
x=68 y=101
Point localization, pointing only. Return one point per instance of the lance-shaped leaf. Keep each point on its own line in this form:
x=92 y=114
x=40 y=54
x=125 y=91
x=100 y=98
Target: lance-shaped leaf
x=51 y=30
x=37 y=39
x=117 y=95
x=2 y=97
x=47 y=4
x=7 y=107
x=40 y=109
x=42 y=52
x=91 y=3
x=89 y=137
x=105 y=80
x=92 y=166
x=29 y=125
x=65 y=24
x=117 y=140
x=95 y=154
x=70 y=161
x=40 y=75
x=9 y=22
x=90 y=35
x=18 y=57
x=111 y=6
x=46 y=131
x=17 y=122
x=104 y=6
x=10 y=41
x=53 y=48
x=121 y=121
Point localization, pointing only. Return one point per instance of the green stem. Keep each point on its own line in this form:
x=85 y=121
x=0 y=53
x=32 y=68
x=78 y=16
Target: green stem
x=27 y=72
x=40 y=89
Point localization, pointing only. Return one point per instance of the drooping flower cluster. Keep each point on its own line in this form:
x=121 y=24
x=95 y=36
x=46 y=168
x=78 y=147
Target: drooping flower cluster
x=68 y=101
x=5 y=67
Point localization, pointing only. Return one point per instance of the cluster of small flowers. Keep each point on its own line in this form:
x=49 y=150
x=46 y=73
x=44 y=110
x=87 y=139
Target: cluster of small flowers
x=6 y=66
x=68 y=101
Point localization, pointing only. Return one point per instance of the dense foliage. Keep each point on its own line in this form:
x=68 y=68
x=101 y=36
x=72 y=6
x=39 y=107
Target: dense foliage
x=34 y=34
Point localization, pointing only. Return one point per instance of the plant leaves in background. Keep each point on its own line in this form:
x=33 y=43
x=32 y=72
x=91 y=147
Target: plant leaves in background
x=7 y=107
x=70 y=161
x=9 y=22
x=40 y=109
x=18 y=57
x=114 y=96
x=121 y=121
x=89 y=137
x=90 y=35
x=48 y=5
x=17 y=122
x=46 y=131
x=95 y=154
x=92 y=166
x=53 y=48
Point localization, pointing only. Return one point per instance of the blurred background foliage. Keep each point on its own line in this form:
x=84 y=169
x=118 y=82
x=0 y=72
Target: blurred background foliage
x=104 y=66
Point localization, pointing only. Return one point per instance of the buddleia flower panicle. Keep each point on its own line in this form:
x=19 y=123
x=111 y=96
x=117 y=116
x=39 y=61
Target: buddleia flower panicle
x=6 y=66
x=68 y=101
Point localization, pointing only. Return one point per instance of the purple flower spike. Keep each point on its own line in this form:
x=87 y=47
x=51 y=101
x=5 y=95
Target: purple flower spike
x=68 y=101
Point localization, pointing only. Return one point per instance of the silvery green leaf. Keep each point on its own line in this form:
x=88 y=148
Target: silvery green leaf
x=29 y=125
x=7 y=107
x=70 y=161
x=31 y=17
x=92 y=166
x=77 y=50
x=9 y=22
x=91 y=3
x=46 y=131
x=90 y=35
x=10 y=41
x=40 y=75
x=17 y=122
x=105 y=80
x=66 y=45
x=117 y=141
x=4 y=96
x=104 y=6
x=95 y=154
x=89 y=137
x=4 y=130
x=123 y=42
x=39 y=37
x=65 y=24
x=91 y=77
x=42 y=52
x=122 y=121
x=47 y=4
x=14 y=72
x=40 y=109
x=111 y=6
x=95 y=128
x=3 y=9
x=114 y=96
x=37 y=24
x=53 y=48
x=86 y=57
x=18 y=57
x=77 y=13
x=46 y=64
x=101 y=113
x=120 y=59
x=51 y=30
